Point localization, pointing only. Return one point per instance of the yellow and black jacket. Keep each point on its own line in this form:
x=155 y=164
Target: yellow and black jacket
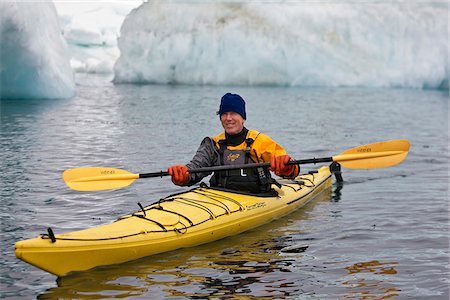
x=254 y=147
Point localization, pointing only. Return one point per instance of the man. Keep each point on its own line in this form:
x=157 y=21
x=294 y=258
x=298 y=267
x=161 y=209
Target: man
x=236 y=145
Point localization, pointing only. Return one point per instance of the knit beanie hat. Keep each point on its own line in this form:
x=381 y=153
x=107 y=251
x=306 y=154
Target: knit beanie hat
x=232 y=103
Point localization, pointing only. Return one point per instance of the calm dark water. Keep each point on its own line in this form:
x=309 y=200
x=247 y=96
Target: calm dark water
x=385 y=234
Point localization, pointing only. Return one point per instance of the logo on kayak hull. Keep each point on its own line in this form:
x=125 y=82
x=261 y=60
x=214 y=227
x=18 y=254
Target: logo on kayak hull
x=256 y=205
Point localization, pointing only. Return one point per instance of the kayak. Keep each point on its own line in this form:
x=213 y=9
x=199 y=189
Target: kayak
x=191 y=218
x=186 y=219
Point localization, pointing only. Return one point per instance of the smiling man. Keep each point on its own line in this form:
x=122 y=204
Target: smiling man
x=236 y=145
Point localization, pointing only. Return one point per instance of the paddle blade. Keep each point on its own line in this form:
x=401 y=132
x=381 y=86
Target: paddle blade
x=377 y=155
x=97 y=179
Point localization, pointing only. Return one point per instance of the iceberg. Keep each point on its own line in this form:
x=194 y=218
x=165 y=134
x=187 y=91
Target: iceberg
x=91 y=30
x=34 y=60
x=286 y=43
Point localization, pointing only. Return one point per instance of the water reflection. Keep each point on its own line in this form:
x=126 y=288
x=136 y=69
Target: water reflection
x=248 y=265
x=365 y=285
x=373 y=266
x=337 y=192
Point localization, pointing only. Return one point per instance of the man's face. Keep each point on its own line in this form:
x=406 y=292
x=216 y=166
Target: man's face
x=232 y=122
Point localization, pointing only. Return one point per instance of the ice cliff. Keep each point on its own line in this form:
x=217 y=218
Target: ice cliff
x=287 y=43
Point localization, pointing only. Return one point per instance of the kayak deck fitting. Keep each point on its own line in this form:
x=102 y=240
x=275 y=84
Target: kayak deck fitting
x=187 y=219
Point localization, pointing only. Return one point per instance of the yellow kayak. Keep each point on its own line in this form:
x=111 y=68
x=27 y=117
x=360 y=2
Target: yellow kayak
x=191 y=218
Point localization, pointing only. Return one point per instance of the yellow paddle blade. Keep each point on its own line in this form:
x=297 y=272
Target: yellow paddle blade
x=377 y=155
x=97 y=179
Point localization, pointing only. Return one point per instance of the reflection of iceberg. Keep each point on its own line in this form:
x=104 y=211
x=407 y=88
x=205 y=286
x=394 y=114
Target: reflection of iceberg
x=34 y=58
x=375 y=44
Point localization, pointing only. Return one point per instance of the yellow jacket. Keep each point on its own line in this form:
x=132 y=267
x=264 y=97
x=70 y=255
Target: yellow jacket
x=262 y=149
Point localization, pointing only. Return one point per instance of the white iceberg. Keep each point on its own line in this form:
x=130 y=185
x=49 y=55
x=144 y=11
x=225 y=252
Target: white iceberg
x=34 y=61
x=289 y=43
x=91 y=30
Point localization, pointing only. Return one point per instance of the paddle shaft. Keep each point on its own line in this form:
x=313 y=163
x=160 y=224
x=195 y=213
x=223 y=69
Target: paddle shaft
x=377 y=155
x=238 y=167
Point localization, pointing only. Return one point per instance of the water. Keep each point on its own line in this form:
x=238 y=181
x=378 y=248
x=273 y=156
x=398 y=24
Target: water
x=385 y=234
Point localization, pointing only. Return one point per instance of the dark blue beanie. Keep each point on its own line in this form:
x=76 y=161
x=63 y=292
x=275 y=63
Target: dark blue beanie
x=232 y=103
